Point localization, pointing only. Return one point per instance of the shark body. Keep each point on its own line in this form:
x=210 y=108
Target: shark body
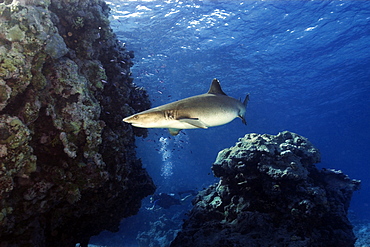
x=213 y=108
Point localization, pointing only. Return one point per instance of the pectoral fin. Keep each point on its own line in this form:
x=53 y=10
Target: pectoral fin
x=195 y=122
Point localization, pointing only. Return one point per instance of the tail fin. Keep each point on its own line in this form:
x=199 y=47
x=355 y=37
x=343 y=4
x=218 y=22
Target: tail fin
x=245 y=102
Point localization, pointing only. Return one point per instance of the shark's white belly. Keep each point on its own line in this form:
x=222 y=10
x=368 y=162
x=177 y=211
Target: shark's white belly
x=209 y=120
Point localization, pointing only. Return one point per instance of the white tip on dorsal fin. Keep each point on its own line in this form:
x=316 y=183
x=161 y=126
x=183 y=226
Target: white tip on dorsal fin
x=215 y=88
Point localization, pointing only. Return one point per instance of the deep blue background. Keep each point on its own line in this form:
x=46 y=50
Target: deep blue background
x=306 y=65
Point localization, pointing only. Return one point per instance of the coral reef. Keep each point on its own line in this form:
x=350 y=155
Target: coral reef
x=161 y=232
x=271 y=194
x=68 y=165
x=362 y=232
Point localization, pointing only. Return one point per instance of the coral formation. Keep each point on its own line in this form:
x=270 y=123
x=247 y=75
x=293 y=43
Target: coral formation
x=362 y=232
x=161 y=232
x=67 y=161
x=271 y=194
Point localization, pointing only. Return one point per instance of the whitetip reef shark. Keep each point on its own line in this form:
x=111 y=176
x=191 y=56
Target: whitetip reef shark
x=213 y=108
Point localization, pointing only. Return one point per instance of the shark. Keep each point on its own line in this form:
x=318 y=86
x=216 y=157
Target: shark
x=211 y=109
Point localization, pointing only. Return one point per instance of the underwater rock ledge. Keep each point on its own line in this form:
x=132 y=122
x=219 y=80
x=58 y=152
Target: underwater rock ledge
x=270 y=193
x=68 y=167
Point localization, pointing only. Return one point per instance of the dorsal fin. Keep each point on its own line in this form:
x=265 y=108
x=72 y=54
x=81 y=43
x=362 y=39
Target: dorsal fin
x=215 y=88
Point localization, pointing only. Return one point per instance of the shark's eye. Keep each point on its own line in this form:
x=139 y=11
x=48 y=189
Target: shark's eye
x=136 y=117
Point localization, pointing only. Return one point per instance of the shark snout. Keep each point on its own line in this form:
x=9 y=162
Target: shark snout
x=144 y=119
x=134 y=120
x=130 y=119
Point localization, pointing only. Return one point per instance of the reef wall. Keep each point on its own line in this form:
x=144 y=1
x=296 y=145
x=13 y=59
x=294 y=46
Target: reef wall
x=271 y=194
x=68 y=168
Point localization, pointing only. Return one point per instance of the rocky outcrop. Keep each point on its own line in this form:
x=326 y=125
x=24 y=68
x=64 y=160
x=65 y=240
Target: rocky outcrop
x=162 y=231
x=271 y=194
x=67 y=161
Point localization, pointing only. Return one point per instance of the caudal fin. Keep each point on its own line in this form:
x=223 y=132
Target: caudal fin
x=245 y=102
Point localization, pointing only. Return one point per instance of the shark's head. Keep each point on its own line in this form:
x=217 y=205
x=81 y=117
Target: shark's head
x=145 y=120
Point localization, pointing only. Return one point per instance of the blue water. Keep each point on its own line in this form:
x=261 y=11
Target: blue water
x=306 y=65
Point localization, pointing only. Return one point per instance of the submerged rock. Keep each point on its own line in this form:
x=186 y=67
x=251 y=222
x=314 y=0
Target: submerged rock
x=271 y=194
x=68 y=168
x=162 y=231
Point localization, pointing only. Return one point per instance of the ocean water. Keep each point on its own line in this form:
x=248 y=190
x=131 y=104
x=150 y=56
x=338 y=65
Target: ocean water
x=306 y=65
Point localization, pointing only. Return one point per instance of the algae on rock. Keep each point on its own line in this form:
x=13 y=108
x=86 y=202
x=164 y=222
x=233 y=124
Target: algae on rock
x=67 y=161
x=271 y=194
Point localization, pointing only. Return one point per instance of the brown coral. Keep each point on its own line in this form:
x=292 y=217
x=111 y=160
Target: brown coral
x=262 y=200
x=67 y=160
